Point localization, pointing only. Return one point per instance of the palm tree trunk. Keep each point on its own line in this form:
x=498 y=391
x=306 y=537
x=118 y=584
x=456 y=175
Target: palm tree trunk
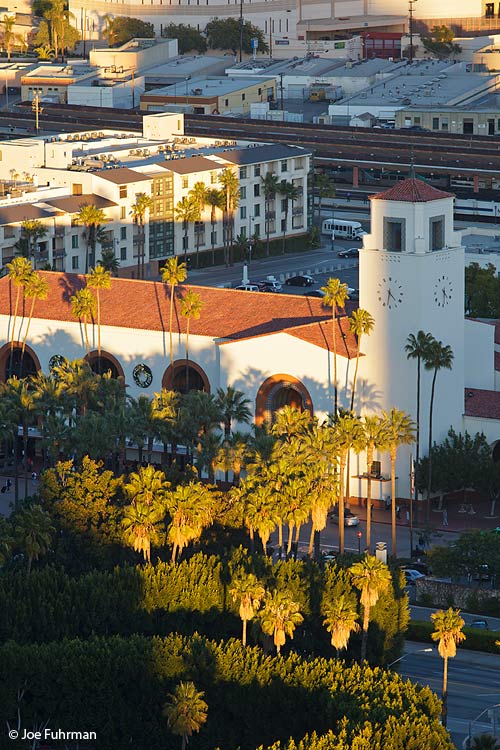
x=444 y=714
x=364 y=639
x=341 y=502
x=99 y=328
x=86 y=334
x=311 y=542
x=280 y=540
x=393 y=497
x=16 y=471
x=86 y=255
x=369 y=456
x=244 y=634
x=429 y=455
x=28 y=327
x=172 y=287
x=30 y=563
x=212 y=238
x=355 y=378
x=266 y=209
x=334 y=339
x=25 y=458
x=417 y=447
x=13 y=337
x=283 y=241
x=290 y=539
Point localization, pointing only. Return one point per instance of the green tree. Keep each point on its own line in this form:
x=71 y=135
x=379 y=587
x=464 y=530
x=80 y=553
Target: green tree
x=290 y=193
x=440 y=42
x=22 y=402
x=36 y=288
x=249 y=593
x=372 y=578
x=62 y=34
x=361 y=323
x=33 y=532
x=186 y=212
x=233 y=406
x=323 y=188
x=482 y=291
x=448 y=634
x=32 y=231
x=270 y=186
x=78 y=384
x=109 y=261
x=349 y=435
x=8 y=23
x=142 y=204
x=400 y=431
x=147 y=485
x=280 y=616
x=341 y=620
x=190 y=508
x=188 y=37
x=484 y=742
x=216 y=200
x=439 y=357
x=198 y=195
x=227 y=33
x=173 y=273
x=99 y=279
x=376 y=439
x=230 y=186
x=141 y=524
x=191 y=307
x=186 y=711
x=122 y=29
x=335 y=296
x=91 y=218
x=83 y=306
x=19 y=271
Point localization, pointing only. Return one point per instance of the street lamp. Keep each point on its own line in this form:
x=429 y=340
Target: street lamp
x=410 y=13
x=410 y=653
x=35 y=106
x=359 y=535
x=471 y=724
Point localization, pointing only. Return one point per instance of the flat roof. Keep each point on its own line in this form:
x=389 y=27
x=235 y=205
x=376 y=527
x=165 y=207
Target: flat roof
x=351 y=22
x=206 y=87
x=71 y=204
x=121 y=175
x=191 y=164
x=184 y=65
x=311 y=65
x=258 y=154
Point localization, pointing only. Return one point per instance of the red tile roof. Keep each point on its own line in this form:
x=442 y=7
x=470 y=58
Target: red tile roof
x=412 y=190
x=479 y=403
x=320 y=334
x=227 y=313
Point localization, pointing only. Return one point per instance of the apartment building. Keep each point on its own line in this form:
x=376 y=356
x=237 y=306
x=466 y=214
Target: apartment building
x=108 y=169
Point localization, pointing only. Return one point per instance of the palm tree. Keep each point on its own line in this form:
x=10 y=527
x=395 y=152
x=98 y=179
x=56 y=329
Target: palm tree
x=485 y=742
x=78 y=384
x=400 y=431
x=141 y=526
x=109 y=261
x=185 y=211
x=439 y=357
x=109 y=30
x=233 y=406
x=198 y=195
x=375 y=429
x=147 y=485
x=360 y=323
x=142 y=204
x=22 y=401
x=33 y=532
x=417 y=347
x=324 y=189
x=335 y=297
x=270 y=186
x=19 y=270
x=186 y=711
x=190 y=508
x=231 y=191
x=280 y=617
x=289 y=423
x=216 y=200
x=191 y=307
x=90 y=217
x=83 y=305
x=249 y=592
x=99 y=279
x=8 y=33
x=349 y=436
x=372 y=578
x=341 y=620
x=32 y=230
x=448 y=633
x=36 y=288
x=290 y=194
x=173 y=273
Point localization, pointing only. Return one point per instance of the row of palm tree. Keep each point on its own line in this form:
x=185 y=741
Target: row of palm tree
x=29 y=285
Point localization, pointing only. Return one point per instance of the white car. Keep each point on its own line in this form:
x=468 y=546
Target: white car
x=248 y=288
x=412 y=575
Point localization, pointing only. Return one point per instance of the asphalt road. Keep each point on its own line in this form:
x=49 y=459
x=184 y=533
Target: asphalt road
x=424 y=613
x=473 y=685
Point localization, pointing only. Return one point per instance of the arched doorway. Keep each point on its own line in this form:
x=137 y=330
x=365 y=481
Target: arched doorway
x=104 y=363
x=188 y=376
x=15 y=363
x=279 y=391
x=495 y=452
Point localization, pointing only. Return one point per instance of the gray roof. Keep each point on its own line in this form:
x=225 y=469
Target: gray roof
x=71 y=204
x=258 y=154
x=190 y=164
x=121 y=175
x=17 y=213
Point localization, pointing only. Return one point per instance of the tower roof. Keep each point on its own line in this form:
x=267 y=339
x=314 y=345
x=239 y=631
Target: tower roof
x=412 y=190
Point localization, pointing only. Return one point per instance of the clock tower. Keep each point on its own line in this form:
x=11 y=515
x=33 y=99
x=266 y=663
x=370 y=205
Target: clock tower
x=411 y=278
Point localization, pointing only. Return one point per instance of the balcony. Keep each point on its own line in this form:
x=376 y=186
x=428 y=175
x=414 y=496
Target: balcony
x=271 y=215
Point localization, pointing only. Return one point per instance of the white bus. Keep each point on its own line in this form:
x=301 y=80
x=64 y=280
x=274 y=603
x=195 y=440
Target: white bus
x=349 y=230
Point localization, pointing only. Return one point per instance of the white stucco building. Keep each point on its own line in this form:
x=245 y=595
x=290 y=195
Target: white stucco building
x=277 y=349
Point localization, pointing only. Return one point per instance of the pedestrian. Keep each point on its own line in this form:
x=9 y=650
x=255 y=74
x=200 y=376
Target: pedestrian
x=33 y=476
x=445 y=517
x=9 y=485
x=398 y=511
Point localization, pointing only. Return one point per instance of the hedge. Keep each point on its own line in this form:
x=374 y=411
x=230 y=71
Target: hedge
x=476 y=640
x=117 y=686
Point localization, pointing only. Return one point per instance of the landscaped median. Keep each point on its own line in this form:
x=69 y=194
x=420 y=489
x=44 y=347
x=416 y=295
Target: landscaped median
x=476 y=640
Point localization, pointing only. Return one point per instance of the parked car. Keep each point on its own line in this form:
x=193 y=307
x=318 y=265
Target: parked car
x=248 y=288
x=412 y=575
x=349 y=518
x=300 y=281
x=315 y=293
x=351 y=252
x=269 y=285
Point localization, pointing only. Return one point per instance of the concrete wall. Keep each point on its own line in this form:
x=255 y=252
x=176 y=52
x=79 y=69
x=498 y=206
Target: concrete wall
x=479 y=347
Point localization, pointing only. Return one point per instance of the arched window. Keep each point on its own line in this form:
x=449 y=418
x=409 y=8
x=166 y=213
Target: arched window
x=188 y=376
x=279 y=391
x=105 y=363
x=13 y=363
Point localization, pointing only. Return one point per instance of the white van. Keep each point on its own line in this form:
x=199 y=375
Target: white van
x=341 y=228
x=248 y=288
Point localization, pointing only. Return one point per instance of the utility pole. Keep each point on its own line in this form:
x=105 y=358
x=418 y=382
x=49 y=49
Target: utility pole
x=241 y=30
x=37 y=109
x=410 y=12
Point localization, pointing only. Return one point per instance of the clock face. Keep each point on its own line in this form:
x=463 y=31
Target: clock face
x=143 y=376
x=390 y=292
x=443 y=291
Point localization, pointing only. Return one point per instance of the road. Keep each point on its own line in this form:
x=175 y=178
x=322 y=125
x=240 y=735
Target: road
x=424 y=613
x=473 y=685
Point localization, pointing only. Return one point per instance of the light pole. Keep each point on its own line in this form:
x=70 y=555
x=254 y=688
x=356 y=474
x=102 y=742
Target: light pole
x=410 y=13
x=35 y=106
x=241 y=30
x=471 y=724
x=410 y=653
